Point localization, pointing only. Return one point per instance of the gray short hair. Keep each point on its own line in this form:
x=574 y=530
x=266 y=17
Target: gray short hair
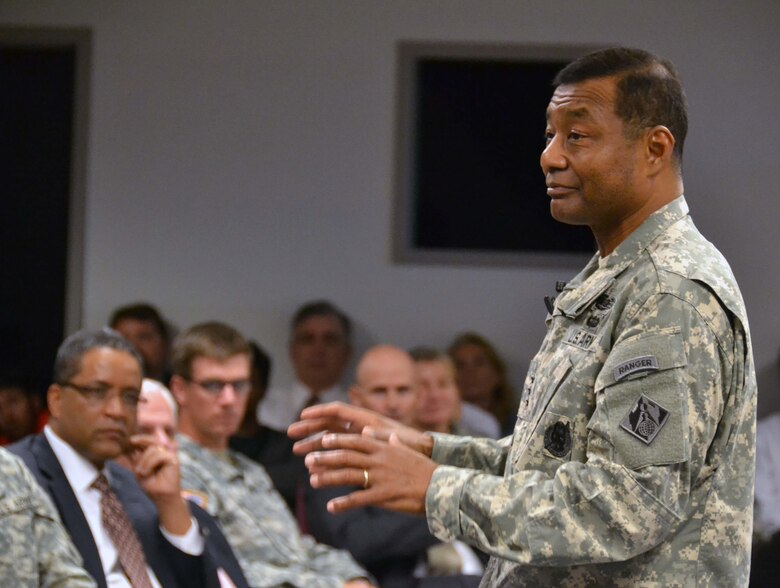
x=151 y=387
x=68 y=361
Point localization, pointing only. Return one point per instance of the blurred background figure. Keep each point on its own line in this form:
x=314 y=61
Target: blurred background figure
x=157 y=416
x=20 y=408
x=438 y=407
x=270 y=448
x=260 y=376
x=766 y=514
x=320 y=348
x=398 y=549
x=143 y=325
x=482 y=380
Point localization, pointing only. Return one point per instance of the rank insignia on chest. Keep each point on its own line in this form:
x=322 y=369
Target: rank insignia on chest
x=557 y=439
x=645 y=419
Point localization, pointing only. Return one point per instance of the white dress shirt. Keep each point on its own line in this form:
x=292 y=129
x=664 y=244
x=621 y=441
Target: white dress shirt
x=81 y=474
x=281 y=406
x=766 y=514
x=478 y=422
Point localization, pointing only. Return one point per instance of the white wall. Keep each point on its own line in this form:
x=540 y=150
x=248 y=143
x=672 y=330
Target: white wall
x=241 y=157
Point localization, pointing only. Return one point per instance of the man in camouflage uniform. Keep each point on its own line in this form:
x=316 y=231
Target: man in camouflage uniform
x=35 y=549
x=211 y=385
x=632 y=460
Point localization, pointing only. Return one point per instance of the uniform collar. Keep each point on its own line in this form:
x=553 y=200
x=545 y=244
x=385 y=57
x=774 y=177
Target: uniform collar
x=600 y=272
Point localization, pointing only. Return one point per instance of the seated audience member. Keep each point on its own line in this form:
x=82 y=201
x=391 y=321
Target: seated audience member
x=157 y=416
x=319 y=350
x=396 y=548
x=270 y=448
x=35 y=549
x=211 y=384
x=261 y=376
x=482 y=380
x=20 y=409
x=145 y=328
x=766 y=514
x=438 y=407
x=130 y=531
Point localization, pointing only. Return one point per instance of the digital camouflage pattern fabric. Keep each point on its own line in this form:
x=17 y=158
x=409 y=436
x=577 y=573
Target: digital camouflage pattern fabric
x=35 y=549
x=632 y=460
x=257 y=523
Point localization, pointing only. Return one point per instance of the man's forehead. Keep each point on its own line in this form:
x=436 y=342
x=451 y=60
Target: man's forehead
x=580 y=100
x=320 y=323
x=106 y=362
x=203 y=363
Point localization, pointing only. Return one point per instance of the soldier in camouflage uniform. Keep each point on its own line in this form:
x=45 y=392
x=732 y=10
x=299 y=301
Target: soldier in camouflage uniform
x=35 y=549
x=211 y=384
x=632 y=460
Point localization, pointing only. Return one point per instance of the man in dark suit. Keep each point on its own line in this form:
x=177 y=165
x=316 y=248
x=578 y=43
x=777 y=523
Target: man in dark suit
x=398 y=549
x=149 y=537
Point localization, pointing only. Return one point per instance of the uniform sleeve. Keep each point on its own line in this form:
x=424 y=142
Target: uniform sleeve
x=477 y=453
x=58 y=563
x=647 y=446
x=262 y=532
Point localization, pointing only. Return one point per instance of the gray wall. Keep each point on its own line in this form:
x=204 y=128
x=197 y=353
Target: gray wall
x=240 y=158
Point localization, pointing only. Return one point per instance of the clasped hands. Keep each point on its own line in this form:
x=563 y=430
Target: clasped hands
x=350 y=446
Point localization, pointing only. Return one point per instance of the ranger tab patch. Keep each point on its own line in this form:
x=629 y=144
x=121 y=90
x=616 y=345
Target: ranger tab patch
x=646 y=363
x=645 y=419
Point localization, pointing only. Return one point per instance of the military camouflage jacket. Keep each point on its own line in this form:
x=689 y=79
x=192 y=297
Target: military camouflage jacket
x=35 y=549
x=632 y=460
x=257 y=523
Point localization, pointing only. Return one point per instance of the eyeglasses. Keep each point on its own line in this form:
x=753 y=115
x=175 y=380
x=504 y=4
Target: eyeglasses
x=97 y=395
x=215 y=387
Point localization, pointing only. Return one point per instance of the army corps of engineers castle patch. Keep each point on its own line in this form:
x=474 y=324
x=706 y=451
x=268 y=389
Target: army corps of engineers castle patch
x=645 y=419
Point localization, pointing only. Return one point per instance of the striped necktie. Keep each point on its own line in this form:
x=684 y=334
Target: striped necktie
x=122 y=534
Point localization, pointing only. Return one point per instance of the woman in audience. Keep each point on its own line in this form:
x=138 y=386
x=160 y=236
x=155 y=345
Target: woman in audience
x=482 y=379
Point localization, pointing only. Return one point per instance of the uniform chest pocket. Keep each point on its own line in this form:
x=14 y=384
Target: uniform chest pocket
x=641 y=400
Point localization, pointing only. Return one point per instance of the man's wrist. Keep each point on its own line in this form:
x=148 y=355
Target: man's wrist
x=174 y=515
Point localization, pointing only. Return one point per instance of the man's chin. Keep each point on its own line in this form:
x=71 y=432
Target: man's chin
x=563 y=213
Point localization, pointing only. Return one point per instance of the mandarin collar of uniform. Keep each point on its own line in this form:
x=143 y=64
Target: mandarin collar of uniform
x=600 y=272
x=633 y=245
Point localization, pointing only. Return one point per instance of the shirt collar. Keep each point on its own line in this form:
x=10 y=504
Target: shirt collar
x=79 y=471
x=302 y=392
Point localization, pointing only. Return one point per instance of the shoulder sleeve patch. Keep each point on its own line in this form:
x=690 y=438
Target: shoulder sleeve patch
x=642 y=392
x=199 y=498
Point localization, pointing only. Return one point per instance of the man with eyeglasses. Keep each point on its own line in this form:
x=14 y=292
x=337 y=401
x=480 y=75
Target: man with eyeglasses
x=131 y=530
x=211 y=384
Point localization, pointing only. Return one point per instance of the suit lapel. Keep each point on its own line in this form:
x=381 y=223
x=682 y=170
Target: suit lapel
x=58 y=487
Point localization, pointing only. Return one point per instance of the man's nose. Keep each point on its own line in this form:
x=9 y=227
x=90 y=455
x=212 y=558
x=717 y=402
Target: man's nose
x=114 y=406
x=162 y=437
x=552 y=157
x=228 y=394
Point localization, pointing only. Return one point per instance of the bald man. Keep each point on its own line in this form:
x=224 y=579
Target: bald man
x=386 y=383
x=391 y=546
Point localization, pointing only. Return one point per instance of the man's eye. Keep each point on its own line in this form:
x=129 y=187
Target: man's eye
x=575 y=136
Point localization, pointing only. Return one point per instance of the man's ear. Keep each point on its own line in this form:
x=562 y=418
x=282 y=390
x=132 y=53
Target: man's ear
x=177 y=389
x=54 y=400
x=659 y=144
